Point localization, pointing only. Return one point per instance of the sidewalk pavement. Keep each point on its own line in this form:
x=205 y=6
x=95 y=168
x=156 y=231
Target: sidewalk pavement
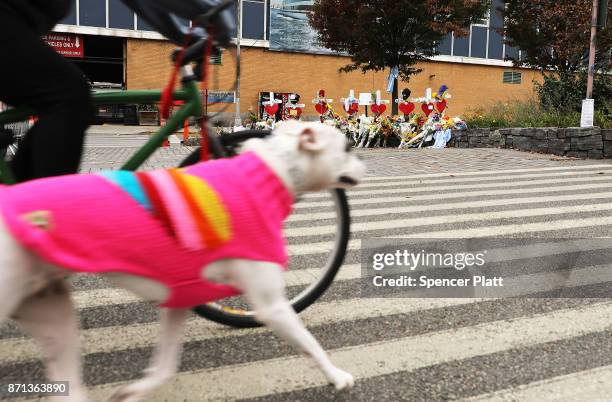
x=118 y=129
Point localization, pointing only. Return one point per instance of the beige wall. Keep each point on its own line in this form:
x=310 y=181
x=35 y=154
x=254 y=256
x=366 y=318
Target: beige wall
x=148 y=66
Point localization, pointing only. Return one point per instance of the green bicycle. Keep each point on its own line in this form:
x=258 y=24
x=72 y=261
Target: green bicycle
x=304 y=285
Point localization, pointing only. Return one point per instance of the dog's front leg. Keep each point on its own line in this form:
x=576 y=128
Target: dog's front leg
x=49 y=317
x=263 y=286
x=164 y=363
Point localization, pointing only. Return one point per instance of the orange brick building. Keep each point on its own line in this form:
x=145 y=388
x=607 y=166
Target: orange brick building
x=471 y=84
x=121 y=51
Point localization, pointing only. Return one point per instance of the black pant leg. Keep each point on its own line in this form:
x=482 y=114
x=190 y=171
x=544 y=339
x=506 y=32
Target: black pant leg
x=32 y=74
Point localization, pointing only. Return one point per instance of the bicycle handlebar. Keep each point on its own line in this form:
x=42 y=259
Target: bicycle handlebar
x=205 y=19
x=192 y=53
x=196 y=50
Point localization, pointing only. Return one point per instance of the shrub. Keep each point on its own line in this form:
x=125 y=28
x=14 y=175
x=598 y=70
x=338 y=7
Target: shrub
x=564 y=93
x=529 y=113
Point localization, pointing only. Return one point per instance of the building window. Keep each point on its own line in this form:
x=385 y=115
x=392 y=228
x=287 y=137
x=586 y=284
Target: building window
x=253 y=20
x=119 y=15
x=461 y=46
x=512 y=77
x=479 y=42
x=216 y=58
x=92 y=13
x=71 y=18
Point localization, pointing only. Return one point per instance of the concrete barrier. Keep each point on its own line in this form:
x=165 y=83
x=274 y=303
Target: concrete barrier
x=592 y=143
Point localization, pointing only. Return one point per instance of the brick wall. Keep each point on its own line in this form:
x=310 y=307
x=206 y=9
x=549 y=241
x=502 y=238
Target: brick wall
x=148 y=66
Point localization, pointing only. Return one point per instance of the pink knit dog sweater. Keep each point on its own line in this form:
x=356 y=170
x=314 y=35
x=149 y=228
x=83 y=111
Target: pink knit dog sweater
x=165 y=225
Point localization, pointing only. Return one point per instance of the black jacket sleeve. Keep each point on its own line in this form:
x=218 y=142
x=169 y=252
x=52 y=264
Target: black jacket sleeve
x=40 y=15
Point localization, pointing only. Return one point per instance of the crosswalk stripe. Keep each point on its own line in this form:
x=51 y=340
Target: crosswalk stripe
x=379 y=358
x=447 y=219
x=110 y=296
x=103 y=297
x=449 y=206
x=122 y=337
x=590 y=385
x=463 y=188
x=420 y=184
x=492 y=172
x=485 y=231
x=547 y=281
x=453 y=195
x=97 y=297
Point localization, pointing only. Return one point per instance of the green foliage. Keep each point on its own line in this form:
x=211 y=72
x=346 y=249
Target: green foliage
x=529 y=114
x=378 y=34
x=564 y=92
x=554 y=35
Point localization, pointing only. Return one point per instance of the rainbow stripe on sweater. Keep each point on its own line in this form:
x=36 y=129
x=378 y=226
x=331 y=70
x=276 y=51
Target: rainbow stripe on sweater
x=188 y=207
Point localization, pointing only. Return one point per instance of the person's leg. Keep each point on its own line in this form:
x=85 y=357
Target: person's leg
x=32 y=74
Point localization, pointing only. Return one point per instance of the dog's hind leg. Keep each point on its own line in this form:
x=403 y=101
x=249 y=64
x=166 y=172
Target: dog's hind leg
x=15 y=267
x=263 y=286
x=164 y=363
x=12 y=288
x=49 y=317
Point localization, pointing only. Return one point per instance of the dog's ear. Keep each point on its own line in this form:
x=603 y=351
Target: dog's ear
x=310 y=141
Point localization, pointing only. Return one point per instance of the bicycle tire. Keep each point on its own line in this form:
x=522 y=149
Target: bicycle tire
x=246 y=319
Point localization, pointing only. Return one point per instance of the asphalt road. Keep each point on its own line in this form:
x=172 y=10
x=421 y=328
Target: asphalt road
x=525 y=348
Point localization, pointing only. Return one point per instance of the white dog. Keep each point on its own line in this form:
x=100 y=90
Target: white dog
x=33 y=291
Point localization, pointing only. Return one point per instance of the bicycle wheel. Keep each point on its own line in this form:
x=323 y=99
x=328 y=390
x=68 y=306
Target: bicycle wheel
x=308 y=276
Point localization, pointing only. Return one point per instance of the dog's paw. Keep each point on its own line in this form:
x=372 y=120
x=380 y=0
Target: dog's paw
x=340 y=378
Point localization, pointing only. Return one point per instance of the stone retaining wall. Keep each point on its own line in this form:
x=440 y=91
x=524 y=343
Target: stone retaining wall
x=593 y=143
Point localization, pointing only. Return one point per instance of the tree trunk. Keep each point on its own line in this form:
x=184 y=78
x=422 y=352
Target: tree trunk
x=395 y=105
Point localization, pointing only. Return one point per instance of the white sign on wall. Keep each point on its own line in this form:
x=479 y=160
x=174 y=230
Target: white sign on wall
x=588 y=113
x=365 y=98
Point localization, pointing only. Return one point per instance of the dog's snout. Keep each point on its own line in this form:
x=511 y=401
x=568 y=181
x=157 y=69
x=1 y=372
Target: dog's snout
x=348 y=180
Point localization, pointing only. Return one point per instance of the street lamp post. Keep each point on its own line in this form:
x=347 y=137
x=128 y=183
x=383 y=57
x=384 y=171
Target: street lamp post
x=588 y=105
x=592 y=49
x=237 y=120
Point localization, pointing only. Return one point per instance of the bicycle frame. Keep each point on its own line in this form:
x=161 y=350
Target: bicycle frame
x=189 y=93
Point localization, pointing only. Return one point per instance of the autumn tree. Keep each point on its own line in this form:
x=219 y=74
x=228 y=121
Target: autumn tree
x=380 y=34
x=554 y=36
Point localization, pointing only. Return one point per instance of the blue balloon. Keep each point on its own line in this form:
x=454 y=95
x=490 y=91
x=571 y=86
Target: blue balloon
x=442 y=89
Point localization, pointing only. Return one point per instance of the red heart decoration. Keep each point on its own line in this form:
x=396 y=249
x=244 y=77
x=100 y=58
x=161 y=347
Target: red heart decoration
x=321 y=108
x=379 y=109
x=353 y=108
x=427 y=108
x=295 y=112
x=406 y=107
x=272 y=109
x=441 y=106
